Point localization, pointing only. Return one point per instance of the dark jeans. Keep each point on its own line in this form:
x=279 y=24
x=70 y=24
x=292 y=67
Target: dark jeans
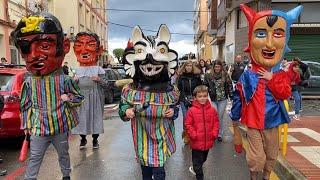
x=157 y=172
x=94 y=136
x=198 y=158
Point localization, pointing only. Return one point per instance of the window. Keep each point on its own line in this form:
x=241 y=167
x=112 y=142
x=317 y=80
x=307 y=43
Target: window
x=81 y=14
x=6 y=82
x=92 y=22
x=98 y=27
x=314 y=69
x=87 y=18
x=15 y=57
x=241 y=20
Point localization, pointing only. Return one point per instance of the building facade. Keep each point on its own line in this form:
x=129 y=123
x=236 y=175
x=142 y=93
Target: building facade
x=202 y=39
x=75 y=16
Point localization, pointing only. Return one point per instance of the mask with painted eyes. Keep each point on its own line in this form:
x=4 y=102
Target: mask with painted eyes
x=87 y=48
x=268 y=36
x=41 y=43
x=149 y=58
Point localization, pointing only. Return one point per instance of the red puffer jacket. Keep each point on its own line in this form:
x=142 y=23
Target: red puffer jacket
x=202 y=125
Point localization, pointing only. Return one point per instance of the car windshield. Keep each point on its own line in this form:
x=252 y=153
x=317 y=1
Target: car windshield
x=314 y=69
x=6 y=82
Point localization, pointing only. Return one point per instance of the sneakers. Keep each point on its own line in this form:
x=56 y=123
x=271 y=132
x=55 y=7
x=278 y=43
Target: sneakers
x=3 y=172
x=83 y=143
x=95 y=144
x=220 y=139
x=296 y=117
x=191 y=170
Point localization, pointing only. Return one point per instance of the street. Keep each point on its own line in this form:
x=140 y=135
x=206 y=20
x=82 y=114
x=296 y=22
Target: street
x=115 y=159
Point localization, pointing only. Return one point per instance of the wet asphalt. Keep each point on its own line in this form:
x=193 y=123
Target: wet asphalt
x=115 y=159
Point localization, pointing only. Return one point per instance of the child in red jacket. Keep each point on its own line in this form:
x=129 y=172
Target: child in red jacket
x=202 y=126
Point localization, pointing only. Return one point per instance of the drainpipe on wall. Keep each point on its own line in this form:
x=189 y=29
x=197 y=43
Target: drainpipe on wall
x=6 y=32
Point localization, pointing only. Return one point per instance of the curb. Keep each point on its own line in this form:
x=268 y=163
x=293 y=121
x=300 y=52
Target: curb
x=283 y=168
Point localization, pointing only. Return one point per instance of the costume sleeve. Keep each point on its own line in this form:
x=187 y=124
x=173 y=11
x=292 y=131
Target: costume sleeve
x=236 y=108
x=188 y=123
x=25 y=106
x=73 y=91
x=216 y=125
x=279 y=85
x=124 y=104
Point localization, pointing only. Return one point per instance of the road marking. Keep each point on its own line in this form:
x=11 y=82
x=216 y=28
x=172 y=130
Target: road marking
x=290 y=139
x=309 y=132
x=18 y=172
x=311 y=153
x=111 y=106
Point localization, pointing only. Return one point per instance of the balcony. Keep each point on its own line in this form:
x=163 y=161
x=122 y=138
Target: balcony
x=226 y=6
x=213 y=22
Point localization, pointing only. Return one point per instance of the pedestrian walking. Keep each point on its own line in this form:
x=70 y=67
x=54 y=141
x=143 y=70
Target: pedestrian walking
x=202 y=126
x=65 y=68
x=48 y=97
x=294 y=75
x=237 y=68
x=203 y=67
x=220 y=90
x=188 y=79
x=304 y=75
x=89 y=77
x=209 y=64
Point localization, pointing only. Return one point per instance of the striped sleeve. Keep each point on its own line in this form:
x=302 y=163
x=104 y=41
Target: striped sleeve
x=73 y=91
x=25 y=105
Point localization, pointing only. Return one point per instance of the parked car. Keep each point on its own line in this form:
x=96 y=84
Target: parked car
x=120 y=69
x=312 y=85
x=11 y=79
x=112 y=92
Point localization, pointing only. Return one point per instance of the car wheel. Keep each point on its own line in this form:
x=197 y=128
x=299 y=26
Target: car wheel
x=109 y=97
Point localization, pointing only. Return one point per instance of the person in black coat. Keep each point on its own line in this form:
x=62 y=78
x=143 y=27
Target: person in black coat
x=188 y=80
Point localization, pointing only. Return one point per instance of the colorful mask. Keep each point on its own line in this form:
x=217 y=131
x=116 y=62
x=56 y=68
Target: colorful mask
x=269 y=34
x=87 y=48
x=150 y=59
x=41 y=42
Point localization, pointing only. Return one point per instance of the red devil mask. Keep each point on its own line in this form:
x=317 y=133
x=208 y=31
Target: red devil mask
x=87 y=48
x=41 y=57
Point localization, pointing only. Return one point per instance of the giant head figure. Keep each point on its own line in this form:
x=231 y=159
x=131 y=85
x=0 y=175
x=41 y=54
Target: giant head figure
x=87 y=48
x=268 y=35
x=41 y=42
x=150 y=60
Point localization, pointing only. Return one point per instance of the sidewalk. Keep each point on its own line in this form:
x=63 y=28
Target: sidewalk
x=303 y=150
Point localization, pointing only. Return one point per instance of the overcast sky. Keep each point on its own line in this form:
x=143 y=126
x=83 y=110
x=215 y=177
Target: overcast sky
x=177 y=22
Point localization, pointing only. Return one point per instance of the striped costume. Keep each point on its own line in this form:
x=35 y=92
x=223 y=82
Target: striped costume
x=153 y=135
x=42 y=110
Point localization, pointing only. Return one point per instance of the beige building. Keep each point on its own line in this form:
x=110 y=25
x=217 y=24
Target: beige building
x=11 y=12
x=74 y=15
x=200 y=24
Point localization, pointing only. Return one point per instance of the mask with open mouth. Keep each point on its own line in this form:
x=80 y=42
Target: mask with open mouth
x=268 y=35
x=149 y=58
x=41 y=42
x=87 y=48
